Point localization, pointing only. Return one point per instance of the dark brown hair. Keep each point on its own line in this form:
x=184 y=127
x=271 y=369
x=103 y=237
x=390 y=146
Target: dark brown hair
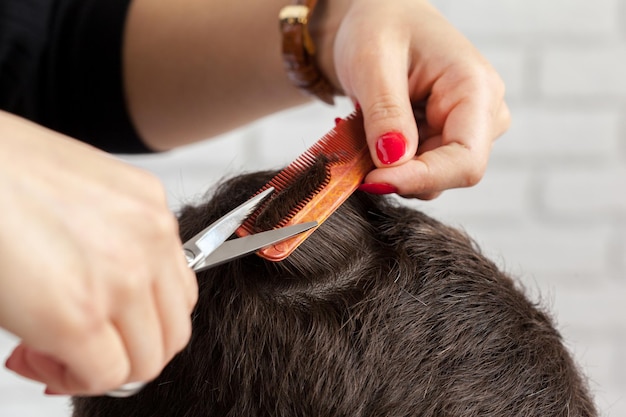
x=383 y=311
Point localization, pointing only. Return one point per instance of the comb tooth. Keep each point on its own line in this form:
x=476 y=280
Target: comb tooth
x=315 y=150
x=306 y=161
x=346 y=147
x=280 y=180
x=300 y=166
x=346 y=161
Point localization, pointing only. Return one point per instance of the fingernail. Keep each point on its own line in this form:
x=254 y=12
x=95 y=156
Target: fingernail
x=390 y=147
x=9 y=363
x=48 y=391
x=338 y=120
x=378 y=188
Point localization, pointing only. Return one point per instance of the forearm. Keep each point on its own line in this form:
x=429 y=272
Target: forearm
x=196 y=68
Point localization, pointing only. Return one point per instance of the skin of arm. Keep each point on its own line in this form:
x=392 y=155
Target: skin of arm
x=194 y=69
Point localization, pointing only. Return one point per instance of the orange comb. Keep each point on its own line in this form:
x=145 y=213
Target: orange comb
x=348 y=161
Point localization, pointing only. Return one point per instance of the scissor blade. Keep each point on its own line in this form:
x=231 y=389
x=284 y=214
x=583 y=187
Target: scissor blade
x=236 y=248
x=213 y=236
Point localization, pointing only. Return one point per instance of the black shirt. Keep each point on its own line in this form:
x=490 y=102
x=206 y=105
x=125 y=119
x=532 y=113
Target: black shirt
x=61 y=66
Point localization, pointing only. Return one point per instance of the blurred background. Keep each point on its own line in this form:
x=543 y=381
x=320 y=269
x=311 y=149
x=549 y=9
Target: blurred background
x=551 y=209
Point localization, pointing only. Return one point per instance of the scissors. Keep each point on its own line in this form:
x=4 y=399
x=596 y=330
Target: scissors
x=211 y=247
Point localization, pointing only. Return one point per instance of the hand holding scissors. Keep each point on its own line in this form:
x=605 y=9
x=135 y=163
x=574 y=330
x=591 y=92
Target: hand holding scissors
x=211 y=247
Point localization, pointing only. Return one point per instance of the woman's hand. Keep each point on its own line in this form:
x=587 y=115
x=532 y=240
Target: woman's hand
x=92 y=275
x=400 y=57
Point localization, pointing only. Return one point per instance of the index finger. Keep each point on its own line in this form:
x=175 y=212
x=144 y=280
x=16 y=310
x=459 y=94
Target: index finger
x=456 y=158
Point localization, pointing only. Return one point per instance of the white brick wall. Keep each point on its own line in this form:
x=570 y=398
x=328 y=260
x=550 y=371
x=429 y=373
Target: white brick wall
x=551 y=209
x=536 y=19
x=564 y=62
x=561 y=133
x=593 y=71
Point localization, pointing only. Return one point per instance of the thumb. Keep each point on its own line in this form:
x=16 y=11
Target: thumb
x=382 y=92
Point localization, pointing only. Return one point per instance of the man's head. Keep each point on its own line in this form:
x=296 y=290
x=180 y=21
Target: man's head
x=382 y=311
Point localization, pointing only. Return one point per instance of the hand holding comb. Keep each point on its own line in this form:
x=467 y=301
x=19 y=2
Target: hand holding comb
x=314 y=185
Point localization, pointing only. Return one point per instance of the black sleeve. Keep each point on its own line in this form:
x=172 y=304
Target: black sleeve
x=61 y=66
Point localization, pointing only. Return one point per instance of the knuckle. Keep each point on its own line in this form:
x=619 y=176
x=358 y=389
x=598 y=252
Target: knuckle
x=131 y=287
x=492 y=79
x=149 y=211
x=103 y=378
x=504 y=117
x=384 y=108
x=474 y=174
x=179 y=338
x=184 y=336
x=151 y=182
x=193 y=299
x=162 y=223
x=83 y=319
x=191 y=290
x=109 y=379
x=136 y=282
x=484 y=77
x=149 y=370
x=156 y=231
x=146 y=362
x=153 y=191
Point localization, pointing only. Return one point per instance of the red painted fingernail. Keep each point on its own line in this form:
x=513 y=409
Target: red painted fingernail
x=48 y=391
x=338 y=120
x=357 y=105
x=378 y=188
x=9 y=363
x=390 y=147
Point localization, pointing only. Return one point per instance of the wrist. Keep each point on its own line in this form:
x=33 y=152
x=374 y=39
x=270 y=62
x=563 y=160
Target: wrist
x=324 y=24
x=304 y=38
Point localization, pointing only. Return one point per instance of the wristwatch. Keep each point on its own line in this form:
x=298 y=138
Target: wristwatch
x=298 y=51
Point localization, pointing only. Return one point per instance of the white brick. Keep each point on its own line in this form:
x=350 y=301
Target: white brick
x=601 y=310
x=189 y=171
x=543 y=253
x=543 y=132
x=610 y=400
x=602 y=307
x=602 y=362
x=510 y=63
x=215 y=153
x=620 y=250
x=588 y=194
x=575 y=18
x=33 y=406
x=584 y=71
x=283 y=137
x=500 y=197
x=594 y=355
x=620 y=377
